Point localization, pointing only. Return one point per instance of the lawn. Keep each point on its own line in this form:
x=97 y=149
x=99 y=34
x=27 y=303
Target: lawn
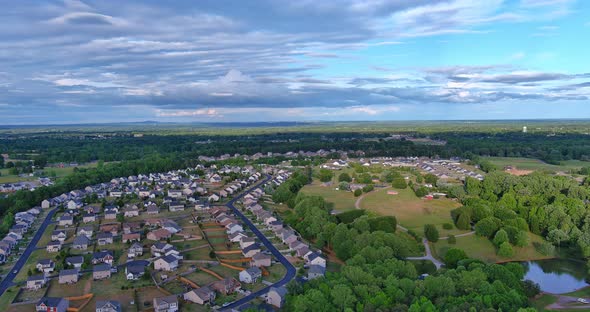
x=341 y=200
x=411 y=212
x=482 y=248
x=82 y=287
x=7 y=298
x=32 y=261
x=276 y=271
x=535 y=164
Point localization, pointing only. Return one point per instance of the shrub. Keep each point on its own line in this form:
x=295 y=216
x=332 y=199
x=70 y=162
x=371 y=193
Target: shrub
x=399 y=183
x=464 y=221
x=452 y=239
x=358 y=192
x=386 y=224
x=500 y=237
x=431 y=233
x=367 y=188
x=505 y=250
x=349 y=216
x=447 y=226
x=453 y=256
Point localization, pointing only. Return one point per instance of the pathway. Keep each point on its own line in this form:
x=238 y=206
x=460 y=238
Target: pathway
x=567 y=303
x=428 y=255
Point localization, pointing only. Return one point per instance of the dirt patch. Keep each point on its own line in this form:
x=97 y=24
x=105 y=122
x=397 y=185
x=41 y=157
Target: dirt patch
x=518 y=172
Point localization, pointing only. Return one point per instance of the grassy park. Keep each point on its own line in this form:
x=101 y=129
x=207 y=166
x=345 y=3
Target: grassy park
x=342 y=201
x=535 y=164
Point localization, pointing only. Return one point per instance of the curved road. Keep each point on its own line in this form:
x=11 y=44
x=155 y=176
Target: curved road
x=429 y=256
x=8 y=280
x=291 y=272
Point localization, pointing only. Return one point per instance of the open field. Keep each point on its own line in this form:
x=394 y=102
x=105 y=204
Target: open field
x=341 y=200
x=535 y=164
x=411 y=212
x=5 y=177
x=482 y=248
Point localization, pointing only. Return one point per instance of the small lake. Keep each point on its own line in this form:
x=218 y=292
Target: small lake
x=557 y=276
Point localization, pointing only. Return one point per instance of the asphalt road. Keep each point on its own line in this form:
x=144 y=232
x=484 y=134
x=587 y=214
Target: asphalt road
x=291 y=272
x=8 y=280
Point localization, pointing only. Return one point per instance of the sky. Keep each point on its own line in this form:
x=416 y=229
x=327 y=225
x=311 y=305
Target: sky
x=268 y=60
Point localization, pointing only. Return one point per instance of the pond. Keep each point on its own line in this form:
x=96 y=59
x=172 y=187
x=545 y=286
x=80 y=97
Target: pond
x=557 y=276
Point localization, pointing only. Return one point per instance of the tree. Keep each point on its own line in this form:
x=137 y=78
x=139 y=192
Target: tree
x=452 y=239
x=421 y=191
x=500 y=237
x=343 y=186
x=368 y=188
x=431 y=233
x=358 y=192
x=464 y=221
x=487 y=227
x=430 y=178
x=342 y=296
x=557 y=236
x=505 y=250
x=344 y=177
x=453 y=256
x=325 y=175
x=399 y=183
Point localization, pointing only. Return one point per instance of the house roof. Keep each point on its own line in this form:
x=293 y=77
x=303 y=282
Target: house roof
x=50 y=301
x=108 y=304
x=281 y=291
x=75 y=259
x=68 y=272
x=317 y=269
x=166 y=300
x=81 y=240
x=254 y=271
x=36 y=277
x=101 y=267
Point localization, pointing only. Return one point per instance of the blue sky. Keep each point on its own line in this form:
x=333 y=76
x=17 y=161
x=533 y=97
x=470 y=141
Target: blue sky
x=105 y=61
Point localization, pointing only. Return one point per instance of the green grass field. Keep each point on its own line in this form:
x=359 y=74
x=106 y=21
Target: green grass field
x=5 y=177
x=482 y=248
x=411 y=212
x=535 y=164
x=342 y=201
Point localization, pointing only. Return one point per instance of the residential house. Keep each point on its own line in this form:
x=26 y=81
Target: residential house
x=113 y=228
x=200 y=295
x=166 y=263
x=226 y=286
x=152 y=209
x=159 y=234
x=81 y=242
x=247 y=241
x=236 y=237
x=45 y=204
x=233 y=228
x=136 y=250
x=251 y=250
x=59 y=235
x=131 y=211
x=110 y=214
x=102 y=257
x=87 y=230
x=69 y=276
x=315 y=259
x=250 y=275
x=260 y=259
x=176 y=206
x=53 y=246
x=131 y=237
x=52 y=304
x=89 y=217
x=104 y=238
x=276 y=296
x=45 y=265
x=316 y=271
x=175 y=193
x=108 y=306
x=75 y=261
x=166 y=304
x=36 y=282
x=66 y=220
x=101 y=271
x=131 y=227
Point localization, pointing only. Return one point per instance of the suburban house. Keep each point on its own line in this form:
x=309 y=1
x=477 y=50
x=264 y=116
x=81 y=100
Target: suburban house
x=45 y=265
x=81 y=242
x=89 y=217
x=159 y=234
x=251 y=250
x=276 y=296
x=250 y=275
x=110 y=214
x=104 y=238
x=53 y=246
x=152 y=209
x=236 y=237
x=59 y=235
x=131 y=237
x=134 y=272
x=233 y=228
x=200 y=295
x=66 y=220
x=101 y=271
x=316 y=271
x=247 y=241
x=36 y=282
x=226 y=286
x=102 y=257
x=45 y=204
x=166 y=304
x=108 y=306
x=315 y=259
x=69 y=276
x=135 y=250
x=75 y=261
x=176 y=206
x=86 y=230
x=166 y=263
x=113 y=228
x=51 y=304
x=131 y=211
x=260 y=259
